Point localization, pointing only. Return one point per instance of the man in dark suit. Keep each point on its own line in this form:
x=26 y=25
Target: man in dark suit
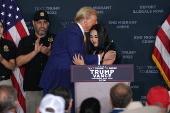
x=120 y=97
x=70 y=41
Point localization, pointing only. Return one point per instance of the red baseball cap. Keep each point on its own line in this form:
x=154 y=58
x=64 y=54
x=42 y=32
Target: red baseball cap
x=158 y=96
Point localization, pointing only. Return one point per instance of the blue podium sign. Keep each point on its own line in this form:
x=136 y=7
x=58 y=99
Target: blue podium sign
x=102 y=73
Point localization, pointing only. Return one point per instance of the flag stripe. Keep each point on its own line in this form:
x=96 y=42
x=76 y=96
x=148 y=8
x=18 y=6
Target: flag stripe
x=14 y=29
x=166 y=78
x=21 y=97
x=8 y=36
x=20 y=28
x=15 y=36
x=25 y=27
x=164 y=54
x=168 y=21
x=166 y=29
x=19 y=79
x=164 y=40
x=161 y=51
x=20 y=110
x=160 y=60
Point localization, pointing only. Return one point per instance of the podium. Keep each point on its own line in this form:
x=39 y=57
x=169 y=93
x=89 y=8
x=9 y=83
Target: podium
x=96 y=81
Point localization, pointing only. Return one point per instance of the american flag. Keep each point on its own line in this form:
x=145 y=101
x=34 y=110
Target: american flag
x=14 y=29
x=161 y=52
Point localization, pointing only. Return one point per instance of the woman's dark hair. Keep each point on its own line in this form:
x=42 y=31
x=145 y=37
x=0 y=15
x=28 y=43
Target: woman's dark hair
x=103 y=38
x=104 y=44
x=1 y=22
x=90 y=105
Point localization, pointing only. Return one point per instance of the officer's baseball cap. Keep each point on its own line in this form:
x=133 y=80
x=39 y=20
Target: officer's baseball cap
x=41 y=15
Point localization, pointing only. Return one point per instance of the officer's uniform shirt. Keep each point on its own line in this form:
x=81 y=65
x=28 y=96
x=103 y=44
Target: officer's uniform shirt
x=34 y=68
x=8 y=52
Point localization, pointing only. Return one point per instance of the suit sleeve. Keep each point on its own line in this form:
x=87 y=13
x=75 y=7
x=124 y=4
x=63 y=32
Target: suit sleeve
x=75 y=45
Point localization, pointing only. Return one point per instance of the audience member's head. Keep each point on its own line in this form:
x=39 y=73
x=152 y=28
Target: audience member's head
x=158 y=96
x=51 y=104
x=66 y=94
x=134 y=105
x=8 y=99
x=120 y=95
x=90 y=105
x=143 y=109
x=137 y=107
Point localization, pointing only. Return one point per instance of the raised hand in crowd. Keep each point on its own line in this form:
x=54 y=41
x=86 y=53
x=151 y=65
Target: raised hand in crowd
x=46 y=50
x=38 y=46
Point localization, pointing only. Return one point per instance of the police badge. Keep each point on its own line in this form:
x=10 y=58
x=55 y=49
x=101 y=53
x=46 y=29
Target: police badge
x=50 y=39
x=42 y=14
x=6 y=49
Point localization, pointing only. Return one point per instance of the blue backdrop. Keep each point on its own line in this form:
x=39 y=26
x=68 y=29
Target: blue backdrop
x=132 y=24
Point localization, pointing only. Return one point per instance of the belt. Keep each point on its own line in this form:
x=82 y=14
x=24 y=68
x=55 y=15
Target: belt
x=4 y=78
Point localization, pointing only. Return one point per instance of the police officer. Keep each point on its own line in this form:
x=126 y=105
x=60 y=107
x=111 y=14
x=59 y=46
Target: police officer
x=33 y=52
x=7 y=58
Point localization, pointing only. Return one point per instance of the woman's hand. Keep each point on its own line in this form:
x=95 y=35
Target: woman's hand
x=78 y=60
x=111 y=60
